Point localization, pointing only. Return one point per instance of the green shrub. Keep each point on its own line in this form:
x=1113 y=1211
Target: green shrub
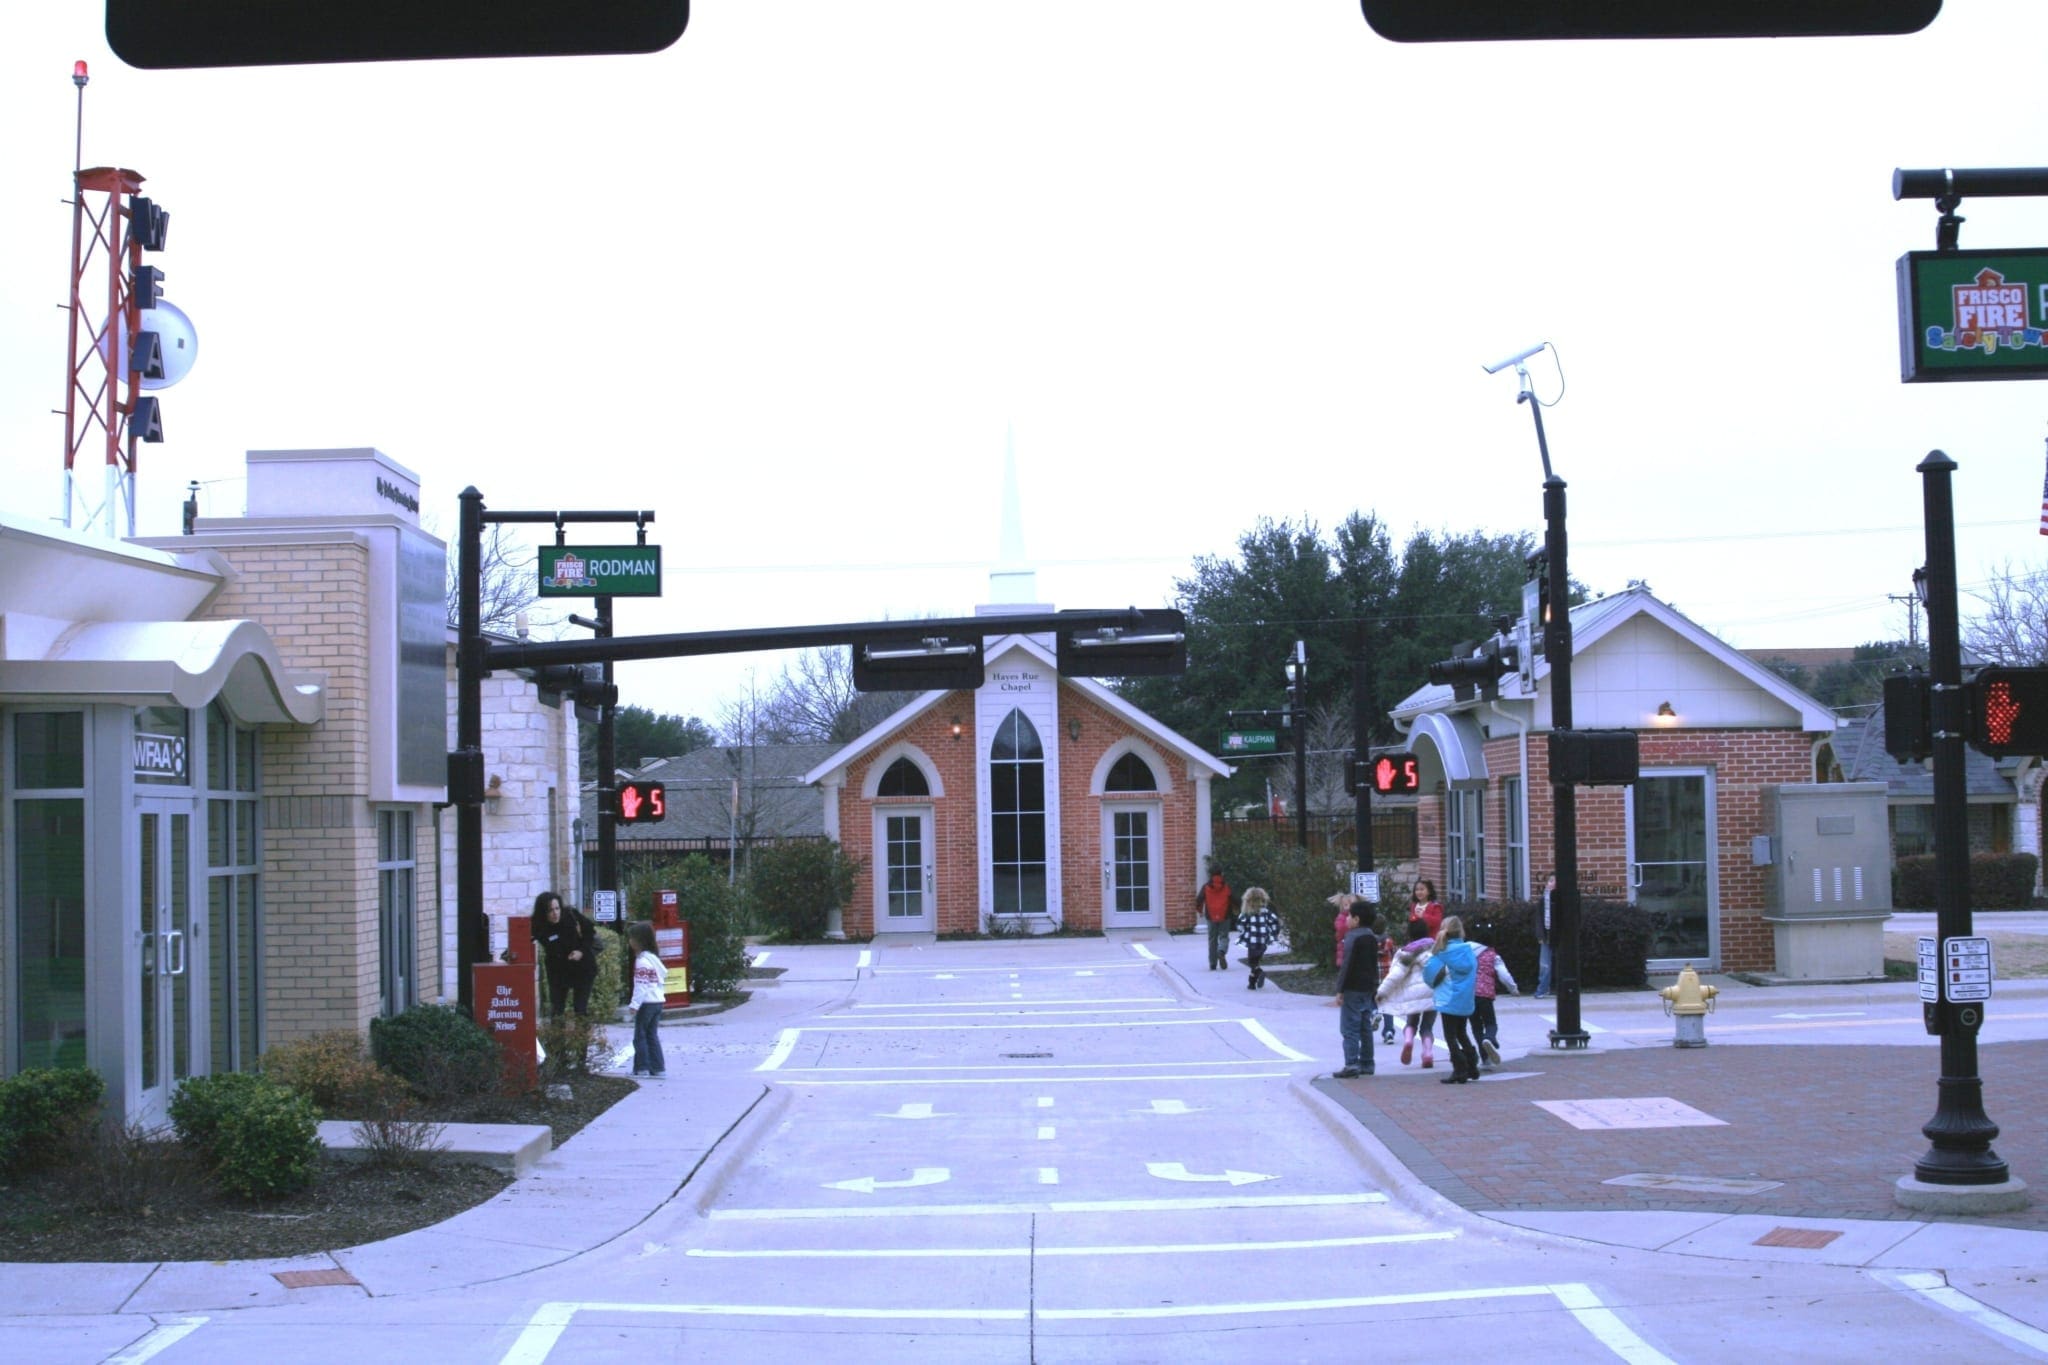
x=438 y=1051
x=267 y=1144
x=1998 y=881
x=792 y=887
x=1300 y=883
x=716 y=916
x=46 y=1113
x=334 y=1071
x=202 y=1104
x=574 y=1047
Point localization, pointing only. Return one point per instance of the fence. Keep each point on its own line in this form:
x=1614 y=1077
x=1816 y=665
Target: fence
x=1393 y=833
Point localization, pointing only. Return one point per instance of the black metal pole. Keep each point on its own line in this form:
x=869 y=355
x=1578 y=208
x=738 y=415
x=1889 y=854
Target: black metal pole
x=1294 y=698
x=465 y=767
x=1960 y=1132
x=608 y=778
x=1361 y=753
x=1564 y=798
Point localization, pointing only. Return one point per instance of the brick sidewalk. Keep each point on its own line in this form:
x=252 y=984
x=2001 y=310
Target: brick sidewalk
x=1835 y=1124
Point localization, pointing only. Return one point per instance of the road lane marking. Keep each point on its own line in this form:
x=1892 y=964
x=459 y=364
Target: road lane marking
x=866 y=959
x=760 y=958
x=1033 y=1011
x=784 y=1045
x=867 y=1184
x=1899 y=1021
x=915 y=1111
x=1260 y=1032
x=875 y=1067
x=961 y=1004
x=1935 y=1288
x=549 y=1320
x=950 y=973
x=1158 y=1249
x=1045 y=1101
x=1142 y=951
x=1071 y=1080
x=1215 y=1201
x=1174 y=1170
x=1825 y=1014
x=1045 y=1132
x=164 y=1334
x=1168 y=1107
x=1048 y=1175
x=1253 y=1024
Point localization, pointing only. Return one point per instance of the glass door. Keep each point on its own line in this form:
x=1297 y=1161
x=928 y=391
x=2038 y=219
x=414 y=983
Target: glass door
x=169 y=970
x=904 y=891
x=1671 y=869
x=1130 y=867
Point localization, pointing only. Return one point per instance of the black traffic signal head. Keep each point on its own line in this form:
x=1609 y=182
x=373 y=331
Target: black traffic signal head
x=1908 y=722
x=1595 y=758
x=1153 y=645
x=918 y=665
x=1480 y=672
x=642 y=803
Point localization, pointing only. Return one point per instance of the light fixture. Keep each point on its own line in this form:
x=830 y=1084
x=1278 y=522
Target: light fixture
x=494 y=792
x=956 y=729
x=1920 y=584
x=1074 y=729
x=1664 y=709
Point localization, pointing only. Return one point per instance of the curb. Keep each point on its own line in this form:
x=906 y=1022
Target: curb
x=709 y=1177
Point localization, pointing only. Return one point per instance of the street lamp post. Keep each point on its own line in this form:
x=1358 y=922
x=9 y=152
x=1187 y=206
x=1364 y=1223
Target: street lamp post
x=1297 y=692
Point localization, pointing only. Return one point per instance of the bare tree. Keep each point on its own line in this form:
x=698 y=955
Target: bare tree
x=1328 y=730
x=509 y=584
x=2012 y=626
x=814 y=701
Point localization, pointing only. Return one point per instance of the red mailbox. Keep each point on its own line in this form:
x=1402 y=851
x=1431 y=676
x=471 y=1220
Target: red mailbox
x=672 y=946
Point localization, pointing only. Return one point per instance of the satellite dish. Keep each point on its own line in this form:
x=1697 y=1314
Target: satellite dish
x=177 y=343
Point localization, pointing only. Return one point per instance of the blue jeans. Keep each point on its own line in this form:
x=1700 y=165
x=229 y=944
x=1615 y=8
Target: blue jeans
x=1351 y=1021
x=1543 y=969
x=1219 y=943
x=647 y=1056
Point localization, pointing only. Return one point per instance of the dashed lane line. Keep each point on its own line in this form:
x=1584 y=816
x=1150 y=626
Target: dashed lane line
x=1153 y=1249
x=1195 y=1202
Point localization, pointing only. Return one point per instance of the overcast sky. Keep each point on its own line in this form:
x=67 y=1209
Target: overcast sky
x=795 y=281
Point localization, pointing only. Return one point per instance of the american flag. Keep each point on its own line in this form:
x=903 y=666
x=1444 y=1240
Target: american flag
x=2044 y=503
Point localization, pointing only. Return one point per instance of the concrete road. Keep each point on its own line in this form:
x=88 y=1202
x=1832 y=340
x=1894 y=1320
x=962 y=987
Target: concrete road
x=1093 y=1150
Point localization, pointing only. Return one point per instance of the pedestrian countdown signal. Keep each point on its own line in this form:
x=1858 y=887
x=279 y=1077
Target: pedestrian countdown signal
x=1387 y=775
x=2008 y=711
x=642 y=802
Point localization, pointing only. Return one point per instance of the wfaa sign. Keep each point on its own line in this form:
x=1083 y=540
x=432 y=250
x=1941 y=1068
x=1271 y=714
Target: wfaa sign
x=1973 y=315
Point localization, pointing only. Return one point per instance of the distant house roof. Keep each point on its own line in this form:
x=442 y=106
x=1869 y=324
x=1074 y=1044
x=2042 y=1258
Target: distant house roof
x=774 y=800
x=1805 y=658
x=1860 y=754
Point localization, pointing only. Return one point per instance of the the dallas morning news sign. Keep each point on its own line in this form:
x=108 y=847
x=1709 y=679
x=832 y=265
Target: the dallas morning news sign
x=1973 y=315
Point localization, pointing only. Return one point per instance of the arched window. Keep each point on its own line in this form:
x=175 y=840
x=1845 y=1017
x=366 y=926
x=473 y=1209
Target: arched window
x=1016 y=763
x=1131 y=774
x=903 y=778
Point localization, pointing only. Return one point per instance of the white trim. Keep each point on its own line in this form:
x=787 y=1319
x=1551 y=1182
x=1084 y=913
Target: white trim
x=886 y=760
x=1162 y=774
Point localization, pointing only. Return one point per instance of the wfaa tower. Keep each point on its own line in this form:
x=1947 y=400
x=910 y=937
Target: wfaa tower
x=126 y=339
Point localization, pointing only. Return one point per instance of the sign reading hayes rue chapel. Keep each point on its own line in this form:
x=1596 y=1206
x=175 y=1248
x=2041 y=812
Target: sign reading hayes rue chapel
x=1973 y=315
x=600 y=570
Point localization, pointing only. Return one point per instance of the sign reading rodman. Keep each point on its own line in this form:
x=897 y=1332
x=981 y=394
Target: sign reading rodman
x=1973 y=315
x=600 y=570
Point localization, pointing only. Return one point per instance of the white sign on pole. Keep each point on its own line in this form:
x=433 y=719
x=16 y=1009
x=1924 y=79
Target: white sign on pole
x=606 y=905
x=1966 y=964
x=1930 y=970
x=1366 y=886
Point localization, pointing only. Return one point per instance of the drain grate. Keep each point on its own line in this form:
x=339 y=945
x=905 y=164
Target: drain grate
x=1024 y=1054
x=1809 y=1239
x=313 y=1279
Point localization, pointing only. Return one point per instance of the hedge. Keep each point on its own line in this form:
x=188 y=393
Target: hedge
x=1998 y=881
x=1614 y=939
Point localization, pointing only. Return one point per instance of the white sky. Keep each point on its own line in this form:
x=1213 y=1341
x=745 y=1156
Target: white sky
x=791 y=282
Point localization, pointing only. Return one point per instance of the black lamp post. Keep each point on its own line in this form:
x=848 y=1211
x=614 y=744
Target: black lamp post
x=1297 y=692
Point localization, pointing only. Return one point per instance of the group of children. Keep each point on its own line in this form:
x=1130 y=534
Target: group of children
x=1432 y=972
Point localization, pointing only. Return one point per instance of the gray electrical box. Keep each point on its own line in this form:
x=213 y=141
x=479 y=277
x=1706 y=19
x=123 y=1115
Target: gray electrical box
x=1828 y=890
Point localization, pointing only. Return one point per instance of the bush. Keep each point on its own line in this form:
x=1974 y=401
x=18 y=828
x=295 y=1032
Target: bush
x=394 y=1142
x=45 y=1113
x=1998 y=881
x=259 y=1138
x=716 y=916
x=792 y=887
x=124 y=1168
x=573 y=1047
x=335 y=1072
x=437 y=1050
x=1300 y=884
x=1614 y=939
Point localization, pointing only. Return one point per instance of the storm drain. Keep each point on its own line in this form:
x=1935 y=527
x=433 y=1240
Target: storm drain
x=1024 y=1054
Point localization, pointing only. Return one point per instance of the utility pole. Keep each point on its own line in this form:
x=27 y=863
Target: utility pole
x=1297 y=693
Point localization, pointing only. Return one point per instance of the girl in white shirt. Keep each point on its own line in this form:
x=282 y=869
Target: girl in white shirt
x=650 y=989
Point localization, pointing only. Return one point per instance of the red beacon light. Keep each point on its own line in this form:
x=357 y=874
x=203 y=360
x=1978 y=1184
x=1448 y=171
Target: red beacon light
x=78 y=75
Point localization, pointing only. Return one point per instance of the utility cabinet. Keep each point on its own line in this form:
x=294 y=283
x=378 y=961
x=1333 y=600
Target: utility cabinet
x=1828 y=883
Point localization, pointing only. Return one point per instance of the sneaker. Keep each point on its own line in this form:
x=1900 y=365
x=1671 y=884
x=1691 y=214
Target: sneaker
x=1490 y=1052
x=1428 y=1063
x=1346 y=1074
x=1408 y=1052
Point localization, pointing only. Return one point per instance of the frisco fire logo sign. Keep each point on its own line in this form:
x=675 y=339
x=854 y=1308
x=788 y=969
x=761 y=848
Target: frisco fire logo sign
x=1989 y=312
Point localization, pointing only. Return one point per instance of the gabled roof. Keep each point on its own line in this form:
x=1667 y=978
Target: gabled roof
x=1094 y=691
x=1592 y=621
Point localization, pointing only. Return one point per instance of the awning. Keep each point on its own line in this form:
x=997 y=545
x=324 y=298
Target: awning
x=1449 y=749
x=157 y=663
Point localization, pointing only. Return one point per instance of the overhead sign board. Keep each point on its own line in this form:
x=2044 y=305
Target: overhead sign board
x=600 y=570
x=1251 y=742
x=1973 y=315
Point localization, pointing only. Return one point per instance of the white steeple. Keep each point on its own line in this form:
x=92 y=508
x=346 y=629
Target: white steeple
x=1013 y=583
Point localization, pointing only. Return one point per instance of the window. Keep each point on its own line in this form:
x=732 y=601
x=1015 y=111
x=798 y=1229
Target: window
x=903 y=778
x=234 y=867
x=1465 y=844
x=1912 y=831
x=48 y=821
x=1131 y=774
x=1518 y=837
x=1017 y=817
x=397 y=862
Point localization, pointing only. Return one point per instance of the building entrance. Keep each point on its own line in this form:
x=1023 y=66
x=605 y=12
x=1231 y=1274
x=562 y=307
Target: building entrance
x=168 y=963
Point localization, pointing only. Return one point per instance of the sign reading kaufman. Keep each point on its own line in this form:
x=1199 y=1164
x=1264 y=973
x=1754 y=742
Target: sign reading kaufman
x=600 y=571
x=1973 y=315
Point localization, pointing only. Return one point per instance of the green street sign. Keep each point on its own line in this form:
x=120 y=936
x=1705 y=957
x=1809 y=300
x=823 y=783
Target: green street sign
x=600 y=571
x=1251 y=742
x=1973 y=315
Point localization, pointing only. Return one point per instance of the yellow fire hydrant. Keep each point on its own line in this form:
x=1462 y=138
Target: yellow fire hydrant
x=1688 y=1002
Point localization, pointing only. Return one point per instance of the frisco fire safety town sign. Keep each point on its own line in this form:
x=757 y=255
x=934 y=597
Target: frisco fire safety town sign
x=1973 y=315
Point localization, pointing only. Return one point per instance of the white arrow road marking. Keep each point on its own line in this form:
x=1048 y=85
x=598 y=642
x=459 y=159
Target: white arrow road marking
x=1824 y=1014
x=914 y=1111
x=1174 y=1170
x=867 y=1184
x=1168 y=1107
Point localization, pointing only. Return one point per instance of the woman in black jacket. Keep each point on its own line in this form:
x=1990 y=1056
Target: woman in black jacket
x=569 y=943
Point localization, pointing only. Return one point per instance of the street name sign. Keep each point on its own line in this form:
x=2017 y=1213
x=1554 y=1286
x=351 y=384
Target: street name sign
x=1251 y=742
x=600 y=571
x=1973 y=315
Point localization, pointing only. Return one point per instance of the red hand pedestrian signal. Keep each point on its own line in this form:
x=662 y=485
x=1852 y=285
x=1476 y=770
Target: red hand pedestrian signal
x=2000 y=711
x=2008 y=711
x=1396 y=775
x=642 y=802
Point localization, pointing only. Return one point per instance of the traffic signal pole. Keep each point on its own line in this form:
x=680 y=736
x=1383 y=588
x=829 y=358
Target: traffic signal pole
x=1361 y=749
x=1960 y=1132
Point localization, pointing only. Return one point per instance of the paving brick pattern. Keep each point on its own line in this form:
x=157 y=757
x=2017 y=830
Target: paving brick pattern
x=1836 y=1125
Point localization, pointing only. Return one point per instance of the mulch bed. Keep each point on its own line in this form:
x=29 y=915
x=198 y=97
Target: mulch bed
x=65 y=1214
